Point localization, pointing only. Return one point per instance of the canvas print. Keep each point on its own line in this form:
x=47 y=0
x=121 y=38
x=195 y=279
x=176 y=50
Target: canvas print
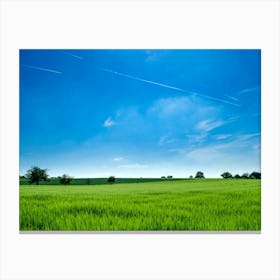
x=140 y=140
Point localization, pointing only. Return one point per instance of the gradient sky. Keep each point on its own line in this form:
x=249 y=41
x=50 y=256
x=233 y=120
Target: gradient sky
x=133 y=113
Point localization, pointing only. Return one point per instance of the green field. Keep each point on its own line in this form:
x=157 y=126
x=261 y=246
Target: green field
x=191 y=205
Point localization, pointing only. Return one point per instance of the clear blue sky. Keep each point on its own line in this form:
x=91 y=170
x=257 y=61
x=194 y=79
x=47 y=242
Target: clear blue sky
x=132 y=113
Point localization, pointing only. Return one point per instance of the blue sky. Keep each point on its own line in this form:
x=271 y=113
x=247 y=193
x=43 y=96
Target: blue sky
x=140 y=113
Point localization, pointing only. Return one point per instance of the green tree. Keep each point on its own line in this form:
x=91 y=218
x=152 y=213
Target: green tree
x=36 y=174
x=111 y=180
x=226 y=175
x=237 y=176
x=65 y=179
x=255 y=175
x=199 y=174
x=245 y=176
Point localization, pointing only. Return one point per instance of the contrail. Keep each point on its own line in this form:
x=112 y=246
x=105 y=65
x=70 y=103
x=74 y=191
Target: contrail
x=141 y=80
x=73 y=55
x=233 y=98
x=167 y=86
x=248 y=90
x=42 y=69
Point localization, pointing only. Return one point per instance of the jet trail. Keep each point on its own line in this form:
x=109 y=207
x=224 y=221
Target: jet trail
x=42 y=69
x=167 y=86
x=233 y=98
x=73 y=55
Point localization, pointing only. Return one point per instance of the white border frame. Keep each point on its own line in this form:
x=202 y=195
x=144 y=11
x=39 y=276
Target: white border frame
x=139 y=24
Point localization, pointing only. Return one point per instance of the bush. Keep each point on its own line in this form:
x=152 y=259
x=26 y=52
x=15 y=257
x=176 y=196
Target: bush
x=65 y=179
x=255 y=175
x=245 y=176
x=111 y=179
x=199 y=174
x=226 y=175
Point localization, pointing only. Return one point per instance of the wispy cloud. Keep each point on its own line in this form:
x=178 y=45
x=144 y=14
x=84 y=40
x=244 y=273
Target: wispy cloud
x=154 y=55
x=133 y=165
x=249 y=136
x=109 y=122
x=165 y=139
x=222 y=136
x=171 y=106
x=197 y=138
x=73 y=55
x=118 y=159
x=208 y=153
x=208 y=125
x=168 y=86
x=42 y=69
x=244 y=142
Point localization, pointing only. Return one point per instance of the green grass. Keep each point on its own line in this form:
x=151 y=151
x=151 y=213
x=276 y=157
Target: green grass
x=200 y=204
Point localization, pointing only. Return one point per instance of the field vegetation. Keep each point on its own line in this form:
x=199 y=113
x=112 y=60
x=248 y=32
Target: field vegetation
x=160 y=205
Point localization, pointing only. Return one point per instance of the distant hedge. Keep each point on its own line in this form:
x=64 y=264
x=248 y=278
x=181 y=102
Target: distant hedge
x=98 y=181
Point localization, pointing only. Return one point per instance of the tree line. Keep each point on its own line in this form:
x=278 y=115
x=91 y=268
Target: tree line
x=253 y=175
x=35 y=175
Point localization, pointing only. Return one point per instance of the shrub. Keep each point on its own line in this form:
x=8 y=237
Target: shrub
x=111 y=179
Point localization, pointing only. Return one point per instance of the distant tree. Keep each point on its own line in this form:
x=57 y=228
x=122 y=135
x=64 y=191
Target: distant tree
x=88 y=181
x=255 y=175
x=191 y=176
x=65 y=179
x=199 y=174
x=169 y=177
x=21 y=177
x=226 y=175
x=111 y=180
x=237 y=176
x=245 y=176
x=162 y=177
x=36 y=174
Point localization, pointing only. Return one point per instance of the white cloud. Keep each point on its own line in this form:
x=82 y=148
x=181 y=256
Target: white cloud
x=208 y=153
x=109 y=122
x=197 y=138
x=172 y=106
x=165 y=139
x=208 y=125
x=222 y=136
x=118 y=159
x=154 y=55
x=133 y=165
x=241 y=146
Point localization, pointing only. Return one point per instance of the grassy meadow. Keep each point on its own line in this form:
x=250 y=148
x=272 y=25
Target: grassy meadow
x=190 y=205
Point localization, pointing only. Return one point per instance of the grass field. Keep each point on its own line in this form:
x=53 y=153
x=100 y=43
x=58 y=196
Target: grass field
x=199 y=204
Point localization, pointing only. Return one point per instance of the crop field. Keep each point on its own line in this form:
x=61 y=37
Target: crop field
x=190 y=205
